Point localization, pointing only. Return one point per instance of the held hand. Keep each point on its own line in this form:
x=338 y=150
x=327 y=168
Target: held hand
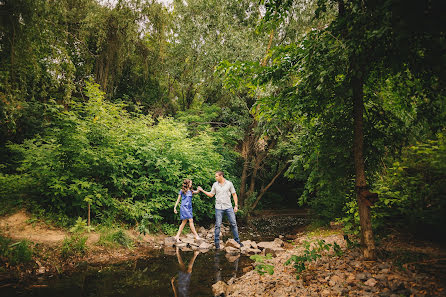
x=175 y=210
x=200 y=188
x=235 y=208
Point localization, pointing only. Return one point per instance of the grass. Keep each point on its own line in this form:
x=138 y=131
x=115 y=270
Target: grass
x=75 y=245
x=112 y=237
x=15 y=252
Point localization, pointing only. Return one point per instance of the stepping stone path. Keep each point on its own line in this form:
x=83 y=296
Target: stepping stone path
x=231 y=247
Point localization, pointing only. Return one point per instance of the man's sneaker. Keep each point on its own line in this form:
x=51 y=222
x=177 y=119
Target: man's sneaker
x=241 y=244
x=217 y=246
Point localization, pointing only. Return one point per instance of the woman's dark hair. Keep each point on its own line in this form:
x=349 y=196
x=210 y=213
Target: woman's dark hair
x=185 y=186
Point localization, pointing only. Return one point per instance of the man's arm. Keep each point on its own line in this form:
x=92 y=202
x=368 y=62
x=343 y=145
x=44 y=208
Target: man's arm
x=209 y=194
x=234 y=196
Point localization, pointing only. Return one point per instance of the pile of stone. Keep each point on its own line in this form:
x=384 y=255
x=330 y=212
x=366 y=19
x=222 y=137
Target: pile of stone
x=231 y=247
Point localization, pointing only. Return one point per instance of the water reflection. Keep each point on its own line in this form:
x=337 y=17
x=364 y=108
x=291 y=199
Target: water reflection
x=233 y=259
x=184 y=275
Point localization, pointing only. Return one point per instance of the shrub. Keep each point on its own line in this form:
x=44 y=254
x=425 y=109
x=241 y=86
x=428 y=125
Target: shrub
x=15 y=253
x=124 y=164
x=74 y=245
x=110 y=237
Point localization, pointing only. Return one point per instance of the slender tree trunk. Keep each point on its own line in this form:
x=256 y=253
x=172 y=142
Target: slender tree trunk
x=244 y=177
x=264 y=189
x=362 y=194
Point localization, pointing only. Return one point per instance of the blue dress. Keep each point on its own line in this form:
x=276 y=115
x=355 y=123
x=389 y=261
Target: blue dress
x=186 y=205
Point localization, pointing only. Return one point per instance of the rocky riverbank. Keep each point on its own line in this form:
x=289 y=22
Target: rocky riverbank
x=344 y=275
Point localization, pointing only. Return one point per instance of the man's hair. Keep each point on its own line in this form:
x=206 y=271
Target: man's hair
x=220 y=173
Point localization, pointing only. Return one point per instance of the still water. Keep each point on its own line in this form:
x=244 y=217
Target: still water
x=182 y=274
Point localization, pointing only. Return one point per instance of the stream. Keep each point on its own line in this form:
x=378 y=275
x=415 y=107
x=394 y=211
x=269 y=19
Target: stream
x=191 y=274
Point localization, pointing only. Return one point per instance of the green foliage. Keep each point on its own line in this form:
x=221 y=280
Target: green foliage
x=312 y=252
x=262 y=267
x=123 y=164
x=411 y=190
x=15 y=253
x=74 y=245
x=113 y=237
x=81 y=226
x=169 y=229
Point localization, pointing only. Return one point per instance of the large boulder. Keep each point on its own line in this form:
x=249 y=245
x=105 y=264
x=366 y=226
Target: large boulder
x=205 y=246
x=232 y=243
x=232 y=250
x=188 y=240
x=266 y=244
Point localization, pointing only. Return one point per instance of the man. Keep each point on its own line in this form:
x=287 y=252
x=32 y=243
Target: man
x=222 y=189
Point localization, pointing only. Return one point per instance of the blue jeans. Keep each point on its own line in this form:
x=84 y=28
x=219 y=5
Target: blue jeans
x=218 y=218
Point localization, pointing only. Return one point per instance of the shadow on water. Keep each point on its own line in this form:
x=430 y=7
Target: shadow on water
x=191 y=275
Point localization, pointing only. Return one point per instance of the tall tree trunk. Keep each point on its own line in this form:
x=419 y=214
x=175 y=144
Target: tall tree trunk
x=244 y=177
x=362 y=194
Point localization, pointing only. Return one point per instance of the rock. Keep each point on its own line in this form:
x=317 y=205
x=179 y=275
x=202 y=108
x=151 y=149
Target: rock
x=232 y=258
x=199 y=241
x=41 y=270
x=396 y=285
x=181 y=245
x=326 y=292
x=381 y=277
x=188 y=240
x=190 y=235
x=264 y=244
x=232 y=243
x=254 y=251
x=254 y=245
x=202 y=230
x=278 y=242
x=274 y=251
x=204 y=245
x=247 y=269
x=219 y=289
x=335 y=280
x=169 y=241
x=210 y=235
x=232 y=250
x=361 y=276
x=371 y=282
x=247 y=243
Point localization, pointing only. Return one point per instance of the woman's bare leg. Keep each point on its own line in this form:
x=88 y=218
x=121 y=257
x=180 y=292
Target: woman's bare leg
x=183 y=223
x=192 y=228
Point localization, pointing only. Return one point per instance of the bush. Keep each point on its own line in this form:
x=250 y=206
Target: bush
x=15 y=253
x=110 y=237
x=124 y=164
x=74 y=245
x=412 y=192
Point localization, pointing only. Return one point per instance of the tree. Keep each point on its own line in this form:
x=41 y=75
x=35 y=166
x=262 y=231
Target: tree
x=325 y=72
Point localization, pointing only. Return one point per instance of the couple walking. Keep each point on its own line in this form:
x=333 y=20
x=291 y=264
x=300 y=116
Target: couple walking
x=222 y=189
